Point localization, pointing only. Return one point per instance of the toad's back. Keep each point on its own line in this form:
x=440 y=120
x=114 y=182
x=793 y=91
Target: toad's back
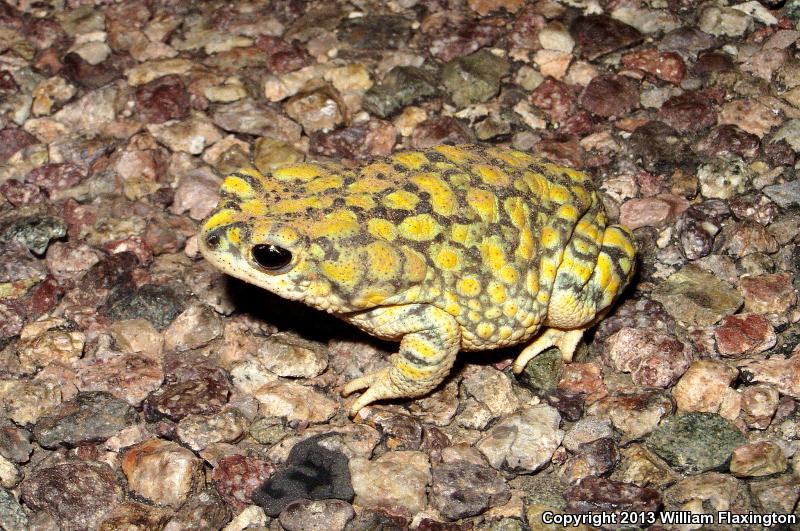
x=499 y=242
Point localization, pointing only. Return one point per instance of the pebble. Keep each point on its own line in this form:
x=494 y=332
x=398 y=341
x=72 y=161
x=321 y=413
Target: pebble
x=654 y=359
x=191 y=135
x=556 y=99
x=12 y=516
x=204 y=510
x=314 y=472
x=554 y=36
x=586 y=430
x=292 y=357
x=474 y=78
x=610 y=96
x=491 y=388
x=400 y=431
x=785 y=194
x=251 y=118
x=375 y=138
x=652 y=211
x=758 y=459
x=695 y=442
x=15 y=444
x=768 y=293
x=89 y=417
x=705 y=386
x=595 y=458
x=441 y=130
x=27 y=401
x=600 y=494
x=759 y=404
x=642 y=467
x=394 y=480
x=78 y=495
x=131 y=377
x=195 y=327
x=634 y=415
x=709 y=492
x=667 y=66
x=198 y=431
x=318 y=110
x=36 y=352
x=270 y=154
x=34 y=232
x=162 y=471
x=696 y=297
x=324 y=515
x=162 y=99
x=543 y=372
x=783 y=374
x=744 y=334
x=461 y=489
x=688 y=112
x=401 y=86
x=375 y=32
x=725 y=21
x=749 y=115
x=237 y=477
x=598 y=35
x=524 y=441
x=779 y=494
x=158 y=304
x=294 y=401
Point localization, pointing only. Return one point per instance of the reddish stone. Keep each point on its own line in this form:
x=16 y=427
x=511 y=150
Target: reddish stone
x=134 y=245
x=527 y=25
x=371 y=139
x=772 y=293
x=87 y=75
x=710 y=62
x=654 y=359
x=12 y=317
x=664 y=65
x=652 y=211
x=52 y=177
x=283 y=57
x=44 y=33
x=18 y=193
x=44 y=297
x=729 y=140
x=743 y=334
x=597 y=35
x=13 y=140
x=47 y=62
x=162 y=99
x=688 y=112
x=600 y=494
x=779 y=153
x=555 y=98
x=441 y=130
x=236 y=477
x=578 y=124
x=7 y=83
x=566 y=151
x=583 y=378
x=450 y=40
x=610 y=96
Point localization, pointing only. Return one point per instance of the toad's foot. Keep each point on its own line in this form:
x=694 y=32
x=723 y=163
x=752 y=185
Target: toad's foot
x=565 y=340
x=430 y=341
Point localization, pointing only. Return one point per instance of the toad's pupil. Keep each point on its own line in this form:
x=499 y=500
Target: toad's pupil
x=212 y=240
x=271 y=257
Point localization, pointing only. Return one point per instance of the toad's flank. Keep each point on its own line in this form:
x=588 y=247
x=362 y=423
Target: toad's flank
x=453 y=248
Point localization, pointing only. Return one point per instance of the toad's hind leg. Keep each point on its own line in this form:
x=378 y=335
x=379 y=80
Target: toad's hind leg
x=596 y=267
x=430 y=341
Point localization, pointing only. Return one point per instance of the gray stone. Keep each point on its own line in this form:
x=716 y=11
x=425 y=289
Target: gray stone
x=461 y=489
x=474 y=78
x=697 y=297
x=786 y=194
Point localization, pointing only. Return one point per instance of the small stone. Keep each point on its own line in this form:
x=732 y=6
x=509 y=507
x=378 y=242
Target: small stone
x=555 y=36
x=248 y=117
x=543 y=372
x=710 y=493
x=697 y=297
x=635 y=415
x=555 y=98
x=441 y=130
x=191 y=135
x=484 y=7
x=77 y=495
x=15 y=444
x=91 y=77
x=723 y=21
x=595 y=458
x=295 y=402
x=695 y=442
x=237 y=477
x=271 y=154
x=749 y=115
x=524 y=441
x=228 y=91
x=13 y=140
x=283 y=57
x=785 y=194
x=374 y=138
x=598 y=35
x=643 y=468
x=319 y=110
x=369 y=519
x=162 y=471
x=586 y=430
x=654 y=359
x=12 y=516
x=131 y=377
x=659 y=146
x=400 y=432
x=652 y=211
x=705 y=386
x=34 y=232
x=27 y=401
x=759 y=404
x=198 y=431
x=376 y=32
x=54 y=177
x=782 y=373
x=667 y=66
x=324 y=515
x=758 y=459
x=688 y=112
x=610 y=96
x=292 y=357
x=313 y=472
x=157 y=304
x=552 y=63
x=769 y=293
x=491 y=388
x=204 y=395
x=402 y=86
x=778 y=494
x=461 y=489
x=51 y=92
x=600 y=494
x=206 y=510
x=395 y=479
x=474 y=78
x=585 y=379
x=744 y=334
x=195 y=327
x=18 y=193
x=162 y=99
x=53 y=346
x=89 y=417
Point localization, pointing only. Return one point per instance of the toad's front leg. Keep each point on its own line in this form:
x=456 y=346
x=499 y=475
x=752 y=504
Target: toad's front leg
x=430 y=341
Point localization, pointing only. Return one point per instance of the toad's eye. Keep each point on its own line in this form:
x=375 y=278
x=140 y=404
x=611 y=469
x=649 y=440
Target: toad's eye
x=271 y=257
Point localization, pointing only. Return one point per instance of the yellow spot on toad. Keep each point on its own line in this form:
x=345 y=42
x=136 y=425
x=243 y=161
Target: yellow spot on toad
x=468 y=286
x=484 y=203
x=419 y=228
x=383 y=260
x=401 y=200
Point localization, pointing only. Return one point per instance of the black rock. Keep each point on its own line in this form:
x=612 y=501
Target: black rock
x=157 y=304
x=312 y=472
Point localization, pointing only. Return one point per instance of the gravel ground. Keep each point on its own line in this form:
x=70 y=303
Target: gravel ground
x=141 y=389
